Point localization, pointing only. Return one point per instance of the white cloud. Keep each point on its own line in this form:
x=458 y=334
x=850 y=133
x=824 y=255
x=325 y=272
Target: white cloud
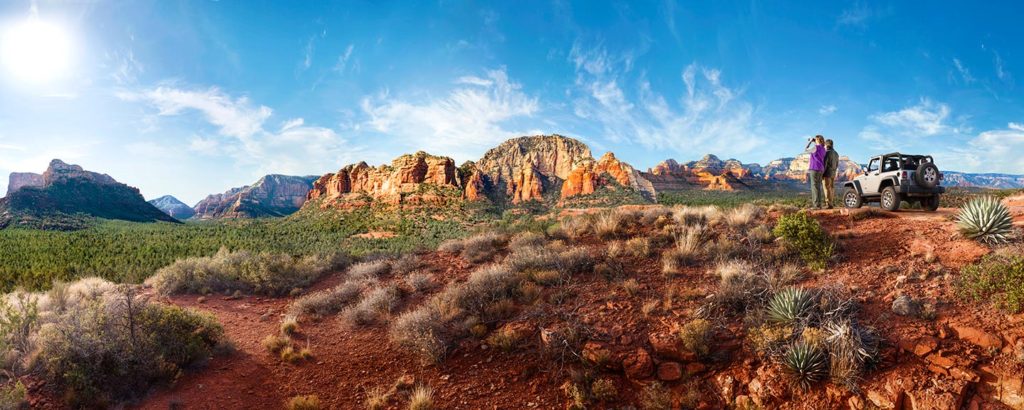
x=344 y=58
x=926 y=118
x=992 y=151
x=235 y=117
x=709 y=117
x=466 y=121
x=965 y=74
x=857 y=15
x=126 y=68
x=827 y=110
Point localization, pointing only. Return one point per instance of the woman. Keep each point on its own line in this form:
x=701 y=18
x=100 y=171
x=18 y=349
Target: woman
x=815 y=170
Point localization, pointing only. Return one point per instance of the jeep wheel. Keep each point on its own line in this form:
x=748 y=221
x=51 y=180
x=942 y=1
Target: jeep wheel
x=930 y=204
x=851 y=199
x=890 y=199
x=927 y=175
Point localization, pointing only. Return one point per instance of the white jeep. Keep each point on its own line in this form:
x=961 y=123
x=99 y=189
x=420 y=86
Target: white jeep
x=892 y=178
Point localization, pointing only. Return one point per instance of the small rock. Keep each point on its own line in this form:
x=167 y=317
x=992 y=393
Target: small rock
x=638 y=364
x=903 y=305
x=670 y=371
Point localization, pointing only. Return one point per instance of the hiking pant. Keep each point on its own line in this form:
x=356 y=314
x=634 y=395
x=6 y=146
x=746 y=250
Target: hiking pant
x=814 y=177
x=829 y=183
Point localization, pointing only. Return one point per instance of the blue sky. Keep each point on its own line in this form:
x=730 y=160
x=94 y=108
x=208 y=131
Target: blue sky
x=190 y=98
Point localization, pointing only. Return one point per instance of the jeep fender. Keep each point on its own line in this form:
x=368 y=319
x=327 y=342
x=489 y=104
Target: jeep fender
x=891 y=181
x=854 y=185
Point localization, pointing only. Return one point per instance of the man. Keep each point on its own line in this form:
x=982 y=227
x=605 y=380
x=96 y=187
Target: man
x=829 y=176
x=815 y=170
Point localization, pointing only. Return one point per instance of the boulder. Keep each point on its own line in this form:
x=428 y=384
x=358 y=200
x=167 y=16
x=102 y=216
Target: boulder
x=638 y=364
x=670 y=371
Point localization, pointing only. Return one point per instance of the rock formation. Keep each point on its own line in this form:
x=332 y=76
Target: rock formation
x=22 y=179
x=401 y=182
x=524 y=167
x=589 y=175
x=69 y=190
x=271 y=195
x=795 y=169
x=173 y=207
x=709 y=172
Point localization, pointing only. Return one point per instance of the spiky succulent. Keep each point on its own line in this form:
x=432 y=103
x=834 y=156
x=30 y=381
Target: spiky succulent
x=985 y=219
x=805 y=365
x=790 y=305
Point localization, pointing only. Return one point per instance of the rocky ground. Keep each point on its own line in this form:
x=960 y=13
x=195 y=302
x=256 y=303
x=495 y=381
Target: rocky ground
x=960 y=355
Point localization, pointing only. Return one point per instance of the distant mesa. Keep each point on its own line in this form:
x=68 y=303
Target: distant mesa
x=173 y=207
x=270 y=196
x=69 y=190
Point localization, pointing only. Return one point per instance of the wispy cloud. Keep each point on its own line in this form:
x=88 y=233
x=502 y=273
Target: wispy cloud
x=992 y=151
x=709 y=117
x=898 y=129
x=827 y=110
x=470 y=118
x=125 y=69
x=965 y=74
x=294 y=147
x=343 y=59
x=856 y=15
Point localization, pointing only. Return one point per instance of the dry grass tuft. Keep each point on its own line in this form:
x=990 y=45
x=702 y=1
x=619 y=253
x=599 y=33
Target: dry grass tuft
x=482 y=248
x=374 y=307
x=290 y=325
x=329 y=301
x=696 y=336
x=742 y=216
x=422 y=398
x=308 y=402
x=639 y=247
x=369 y=270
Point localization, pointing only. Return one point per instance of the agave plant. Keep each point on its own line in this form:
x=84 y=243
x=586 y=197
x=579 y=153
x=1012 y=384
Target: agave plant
x=789 y=305
x=805 y=364
x=985 y=219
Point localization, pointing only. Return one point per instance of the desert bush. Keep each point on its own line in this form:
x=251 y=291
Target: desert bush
x=262 y=273
x=744 y=215
x=369 y=269
x=805 y=365
x=527 y=239
x=275 y=344
x=769 y=341
x=575 y=227
x=329 y=301
x=785 y=275
x=739 y=285
x=804 y=233
x=725 y=249
x=655 y=396
x=374 y=307
x=420 y=281
x=616 y=249
x=604 y=390
x=639 y=247
x=405 y=264
x=760 y=234
x=658 y=215
x=545 y=277
x=505 y=339
x=568 y=261
x=290 y=325
x=609 y=224
x=985 y=219
x=852 y=349
x=482 y=247
x=696 y=336
x=19 y=318
x=451 y=246
x=423 y=331
x=631 y=286
x=422 y=398
x=114 y=348
x=998 y=277
x=13 y=396
x=307 y=402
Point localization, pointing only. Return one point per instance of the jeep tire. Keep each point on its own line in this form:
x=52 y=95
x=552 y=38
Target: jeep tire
x=890 y=200
x=852 y=199
x=930 y=204
x=927 y=175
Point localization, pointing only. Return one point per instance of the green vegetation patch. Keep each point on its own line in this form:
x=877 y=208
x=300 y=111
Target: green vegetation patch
x=998 y=277
x=805 y=234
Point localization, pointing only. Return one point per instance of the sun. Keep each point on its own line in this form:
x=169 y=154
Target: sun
x=35 y=51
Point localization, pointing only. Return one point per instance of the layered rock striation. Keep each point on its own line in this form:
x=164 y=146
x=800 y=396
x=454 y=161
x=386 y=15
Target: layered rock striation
x=589 y=175
x=524 y=168
x=404 y=181
x=272 y=195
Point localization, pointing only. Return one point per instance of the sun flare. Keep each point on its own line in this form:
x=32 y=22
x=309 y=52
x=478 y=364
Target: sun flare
x=35 y=51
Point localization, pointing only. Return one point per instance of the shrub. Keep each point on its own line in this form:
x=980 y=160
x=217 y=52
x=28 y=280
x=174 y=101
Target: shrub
x=631 y=286
x=616 y=249
x=369 y=270
x=262 y=273
x=422 y=398
x=275 y=344
x=742 y=216
x=13 y=396
x=451 y=246
x=505 y=339
x=374 y=306
x=639 y=247
x=420 y=281
x=609 y=224
x=290 y=325
x=482 y=247
x=805 y=234
x=696 y=337
x=19 y=317
x=655 y=397
x=760 y=234
x=655 y=215
x=997 y=277
x=985 y=219
x=329 y=301
x=738 y=284
x=308 y=402
x=423 y=331
x=545 y=277
x=790 y=305
x=576 y=227
x=604 y=390
x=405 y=264
x=851 y=349
x=805 y=365
x=527 y=239
x=115 y=348
x=768 y=340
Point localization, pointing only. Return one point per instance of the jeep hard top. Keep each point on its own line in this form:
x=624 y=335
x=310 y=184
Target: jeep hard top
x=892 y=178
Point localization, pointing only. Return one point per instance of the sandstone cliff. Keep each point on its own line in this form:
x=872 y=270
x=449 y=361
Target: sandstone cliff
x=22 y=179
x=404 y=181
x=70 y=190
x=523 y=168
x=709 y=172
x=795 y=169
x=589 y=175
x=271 y=195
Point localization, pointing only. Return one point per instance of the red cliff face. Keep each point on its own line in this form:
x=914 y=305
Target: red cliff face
x=709 y=173
x=393 y=184
x=589 y=175
x=520 y=165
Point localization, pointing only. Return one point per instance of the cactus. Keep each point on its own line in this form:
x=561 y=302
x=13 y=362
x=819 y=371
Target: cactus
x=985 y=219
x=789 y=305
x=805 y=365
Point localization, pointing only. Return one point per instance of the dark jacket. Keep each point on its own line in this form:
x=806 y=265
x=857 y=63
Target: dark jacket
x=831 y=163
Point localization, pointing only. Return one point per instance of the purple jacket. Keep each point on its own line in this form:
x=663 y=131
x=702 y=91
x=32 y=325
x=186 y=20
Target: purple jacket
x=818 y=159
